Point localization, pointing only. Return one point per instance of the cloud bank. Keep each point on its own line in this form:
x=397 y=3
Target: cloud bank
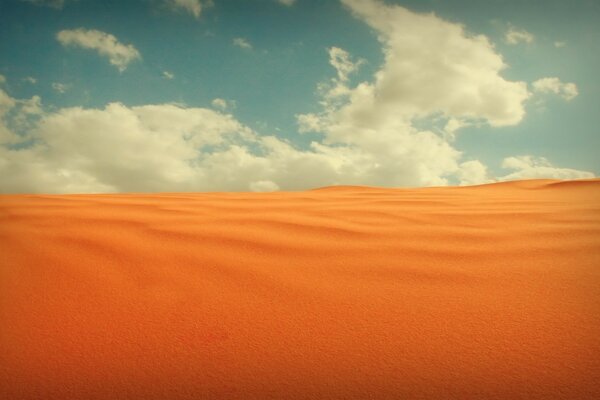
x=157 y=148
x=529 y=167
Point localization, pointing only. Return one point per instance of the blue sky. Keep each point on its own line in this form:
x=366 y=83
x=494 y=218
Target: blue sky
x=424 y=100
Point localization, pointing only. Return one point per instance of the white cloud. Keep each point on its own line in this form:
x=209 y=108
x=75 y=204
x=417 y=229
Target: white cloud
x=336 y=90
x=530 y=167
x=167 y=147
x=434 y=66
x=119 y=148
x=567 y=91
x=170 y=148
x=219 y=103
x=2 y=79
x=159 y=148
x=60 y=87
x=193 y=7
x=288 y=3
x=473 y=173
x=31 y=80
x=263 y=186
x=340 y=60
x=516 y=36
x=309 y=123
x=452 y=127
x=7 y=103
x=105 y=44
x=168 y=75
x=242 y=43
x=559 y=44
x=32 y=106
x=223 y=104
x=17 y=114
x=432 y=69
x=58 y=4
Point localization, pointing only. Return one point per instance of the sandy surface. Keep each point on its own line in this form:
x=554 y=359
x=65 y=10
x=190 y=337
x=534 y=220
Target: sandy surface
x=346 y=292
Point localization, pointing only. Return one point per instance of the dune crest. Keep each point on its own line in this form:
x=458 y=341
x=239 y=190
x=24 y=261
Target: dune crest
x=474 y=292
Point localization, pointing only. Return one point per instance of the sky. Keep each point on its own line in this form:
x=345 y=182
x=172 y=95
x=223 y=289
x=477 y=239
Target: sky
x=263 y=95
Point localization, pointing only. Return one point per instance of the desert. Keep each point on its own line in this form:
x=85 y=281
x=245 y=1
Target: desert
x=489 y=291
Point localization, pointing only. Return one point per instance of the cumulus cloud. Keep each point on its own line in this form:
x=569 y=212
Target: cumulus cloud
x=193 y=7
x=288 y=3
x=107 y=45
x=58 y=4
x=473 y=173
x=31 y=80
x=242 y=43
x=432 y=69
x=559 y=44
x=567 y=91
x=168 y=75
x=118 y=148
x=530 y=167
x=516 y=36
x=432 y=65
x=2 y=79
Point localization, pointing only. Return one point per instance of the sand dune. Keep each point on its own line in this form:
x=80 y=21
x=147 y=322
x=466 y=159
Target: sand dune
x=488 y=291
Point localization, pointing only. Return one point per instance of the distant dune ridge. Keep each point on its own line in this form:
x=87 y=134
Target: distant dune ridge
x=488 y=291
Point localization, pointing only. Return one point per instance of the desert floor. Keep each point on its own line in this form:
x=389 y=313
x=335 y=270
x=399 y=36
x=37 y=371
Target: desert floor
x=489 y=291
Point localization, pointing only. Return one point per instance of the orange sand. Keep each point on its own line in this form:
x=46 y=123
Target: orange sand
x=347 y=292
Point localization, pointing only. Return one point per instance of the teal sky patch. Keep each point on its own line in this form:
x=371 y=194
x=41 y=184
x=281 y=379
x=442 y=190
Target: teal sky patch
x=264 y=64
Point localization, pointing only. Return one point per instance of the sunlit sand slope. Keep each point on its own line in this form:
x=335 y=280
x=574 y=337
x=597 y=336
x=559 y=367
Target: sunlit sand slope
x=336 y=293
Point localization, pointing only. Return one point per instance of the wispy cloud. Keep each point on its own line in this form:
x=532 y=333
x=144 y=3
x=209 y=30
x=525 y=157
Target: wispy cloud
x=288 y=3
x=60 y=87
x=530 y=167
x=242 y=43
x=219 y=103
x=194 y=7
x=515 y=36
x=107 y=45
x=58 y=4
